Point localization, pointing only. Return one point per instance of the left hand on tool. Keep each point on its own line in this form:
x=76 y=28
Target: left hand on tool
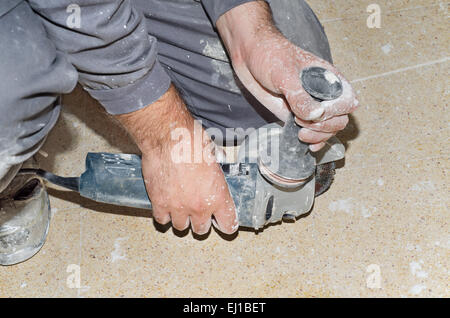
x=269 y=66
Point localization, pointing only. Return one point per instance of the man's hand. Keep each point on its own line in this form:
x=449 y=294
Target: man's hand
x=183 y=188
x=269 y=66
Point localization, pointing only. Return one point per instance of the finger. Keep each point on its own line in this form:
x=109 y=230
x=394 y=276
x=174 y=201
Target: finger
x=160 y=215
x=300 y=102
x=316 y=147
x=343 y=105
x=180 y=221
x=220 y=204
x=313 y=137
x=331 y=125
x=200 y=225
x=226 y=219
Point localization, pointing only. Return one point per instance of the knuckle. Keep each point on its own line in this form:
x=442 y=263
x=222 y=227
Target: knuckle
x=306 y=108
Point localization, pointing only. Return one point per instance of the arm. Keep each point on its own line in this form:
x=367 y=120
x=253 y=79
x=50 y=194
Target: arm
x=108 y=43
x=117 y=64
x=269 y=66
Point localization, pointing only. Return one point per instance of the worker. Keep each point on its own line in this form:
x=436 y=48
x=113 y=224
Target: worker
x=156 y=66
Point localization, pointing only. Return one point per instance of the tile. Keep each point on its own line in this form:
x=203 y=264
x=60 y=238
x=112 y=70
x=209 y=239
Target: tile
x=402 y=117
x=405 y=39
x=394 y=216
x=330 y=11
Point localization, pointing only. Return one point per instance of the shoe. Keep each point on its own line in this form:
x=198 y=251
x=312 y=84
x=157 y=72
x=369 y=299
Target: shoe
x=24 y=218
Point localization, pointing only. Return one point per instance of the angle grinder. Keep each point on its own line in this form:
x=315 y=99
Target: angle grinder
x=274 y=178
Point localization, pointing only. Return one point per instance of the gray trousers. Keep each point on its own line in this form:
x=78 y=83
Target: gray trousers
x=34 y=72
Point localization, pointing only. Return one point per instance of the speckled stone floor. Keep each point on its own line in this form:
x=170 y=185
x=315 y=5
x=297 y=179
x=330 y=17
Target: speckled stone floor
x=381 y=230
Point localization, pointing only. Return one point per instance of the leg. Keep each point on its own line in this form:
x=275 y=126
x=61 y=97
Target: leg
x=32 y=75
x=192 y=53
x=296 y=20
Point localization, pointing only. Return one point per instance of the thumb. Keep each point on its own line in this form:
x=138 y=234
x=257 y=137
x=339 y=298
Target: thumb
x=300 y=102
x=273 y=102
x=225 y=217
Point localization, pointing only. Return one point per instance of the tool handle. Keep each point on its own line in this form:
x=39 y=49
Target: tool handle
x=117 y=179
x=321 y=84
x=114 y=179
x=297 y=162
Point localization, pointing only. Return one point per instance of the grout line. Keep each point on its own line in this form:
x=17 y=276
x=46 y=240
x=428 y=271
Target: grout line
x=418 y=7
x=404 y=69
x=384 y=13
x=380 y=164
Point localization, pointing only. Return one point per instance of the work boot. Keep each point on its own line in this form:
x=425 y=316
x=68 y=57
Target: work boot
x=24 y=217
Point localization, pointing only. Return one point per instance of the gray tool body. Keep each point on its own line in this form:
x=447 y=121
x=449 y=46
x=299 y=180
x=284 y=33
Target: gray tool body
x=259 y=199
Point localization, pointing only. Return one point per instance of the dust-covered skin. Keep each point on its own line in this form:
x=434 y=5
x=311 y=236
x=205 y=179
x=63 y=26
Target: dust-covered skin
x=269 y=66
x=183 y=189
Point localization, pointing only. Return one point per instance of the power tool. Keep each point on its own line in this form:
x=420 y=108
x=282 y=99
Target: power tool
x=275 y=178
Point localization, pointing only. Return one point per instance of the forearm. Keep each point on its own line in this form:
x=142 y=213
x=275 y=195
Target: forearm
x=239 y=28
x=151 y=126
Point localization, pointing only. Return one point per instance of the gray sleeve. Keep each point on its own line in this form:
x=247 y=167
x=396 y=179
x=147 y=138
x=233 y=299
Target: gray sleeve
x=32 y=76
x=215 y=8
x=107 y=42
